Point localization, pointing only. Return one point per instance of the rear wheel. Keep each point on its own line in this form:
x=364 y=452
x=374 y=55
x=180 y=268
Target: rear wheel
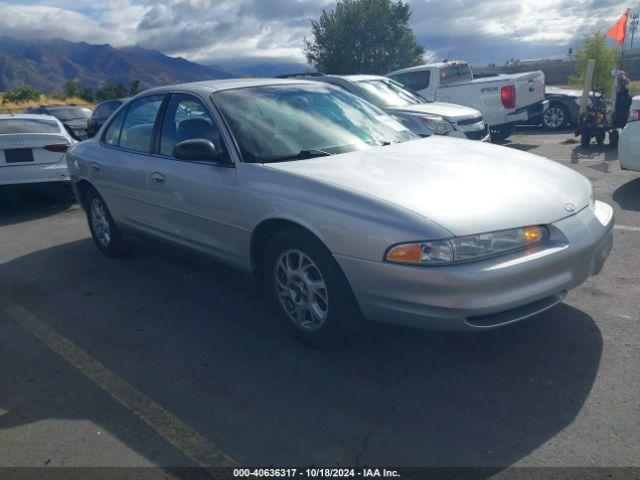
x=309 y=291
x=614 y=136
x=501 y=133
x=585 y=139
x=600 y=137
x=106 y=234
x=555 y=117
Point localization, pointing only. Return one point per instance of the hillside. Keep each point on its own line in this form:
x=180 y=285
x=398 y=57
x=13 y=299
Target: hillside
x=48 y=64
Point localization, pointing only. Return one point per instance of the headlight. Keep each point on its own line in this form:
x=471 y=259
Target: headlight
x=436 y=125
x=471 y=247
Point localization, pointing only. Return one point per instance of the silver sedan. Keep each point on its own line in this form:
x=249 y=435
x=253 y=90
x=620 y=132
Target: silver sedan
x=340 y=211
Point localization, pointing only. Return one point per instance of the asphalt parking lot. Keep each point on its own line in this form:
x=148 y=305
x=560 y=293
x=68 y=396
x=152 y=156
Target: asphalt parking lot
x=163 y=359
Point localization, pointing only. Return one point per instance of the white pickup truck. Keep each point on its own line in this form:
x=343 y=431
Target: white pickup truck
x=504 y=100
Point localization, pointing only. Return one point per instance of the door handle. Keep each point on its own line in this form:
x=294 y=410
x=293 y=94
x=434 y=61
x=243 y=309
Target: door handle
x=157 y=178
x=95 y=167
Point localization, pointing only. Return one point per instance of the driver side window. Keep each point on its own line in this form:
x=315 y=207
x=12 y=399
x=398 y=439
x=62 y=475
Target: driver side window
x=186 y=118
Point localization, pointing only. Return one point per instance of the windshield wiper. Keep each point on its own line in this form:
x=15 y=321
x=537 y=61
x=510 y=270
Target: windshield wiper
x=301 y=155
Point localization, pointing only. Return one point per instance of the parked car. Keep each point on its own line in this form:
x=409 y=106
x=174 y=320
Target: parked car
x=341 y=211
x=72 y=117
x=564 y=105
x=504 y=100
x=101 y=113
x=629 y=143
x=32 y=150
x=416 y=113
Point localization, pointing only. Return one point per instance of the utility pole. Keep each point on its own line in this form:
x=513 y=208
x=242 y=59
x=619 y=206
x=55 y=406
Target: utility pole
x=633 y=26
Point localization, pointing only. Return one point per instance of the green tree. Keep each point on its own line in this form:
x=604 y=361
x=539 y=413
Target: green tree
x=86 y=94
x=71 y=88
x=595 y=47
x=363 y=36
x=134 y=87
x=23 y=94
x=111 y=91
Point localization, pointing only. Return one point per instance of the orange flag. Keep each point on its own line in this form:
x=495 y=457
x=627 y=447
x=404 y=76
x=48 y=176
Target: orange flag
x=619 y=30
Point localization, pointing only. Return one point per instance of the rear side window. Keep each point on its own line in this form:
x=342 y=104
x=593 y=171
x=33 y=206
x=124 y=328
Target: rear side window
x=137 y=128
x=18 y=125
x=106 y=109
x=455 y=73
x=112 y=134
x=414 y=80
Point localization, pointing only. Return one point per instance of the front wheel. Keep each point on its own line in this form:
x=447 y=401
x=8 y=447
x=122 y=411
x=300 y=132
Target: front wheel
x=585 y=139
x=309 y=291
x=106 y=234
x=614 y=137
x=501 y=133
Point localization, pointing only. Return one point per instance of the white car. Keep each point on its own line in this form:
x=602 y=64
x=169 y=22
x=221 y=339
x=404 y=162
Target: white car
x=421 y=116
x=33 y=149
x=629 y=144
x=504 y=100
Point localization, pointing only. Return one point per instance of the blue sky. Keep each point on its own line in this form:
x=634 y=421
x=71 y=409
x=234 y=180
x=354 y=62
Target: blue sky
x=236 y=32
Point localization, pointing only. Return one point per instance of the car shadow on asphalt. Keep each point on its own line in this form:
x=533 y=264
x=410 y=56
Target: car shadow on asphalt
x=627 y=196
x=594 y=152
x=22 y=204
x=210 y=351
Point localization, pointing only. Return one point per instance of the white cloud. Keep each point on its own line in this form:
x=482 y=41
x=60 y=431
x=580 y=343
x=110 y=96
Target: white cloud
x=213 y=30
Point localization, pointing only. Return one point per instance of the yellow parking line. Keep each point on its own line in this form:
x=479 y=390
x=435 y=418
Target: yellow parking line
x=183 y=437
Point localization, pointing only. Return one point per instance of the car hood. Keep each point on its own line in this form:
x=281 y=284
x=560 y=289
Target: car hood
x=466 y=187
x=450 y=111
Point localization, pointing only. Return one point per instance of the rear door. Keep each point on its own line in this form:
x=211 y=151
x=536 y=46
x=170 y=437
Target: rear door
x=31 y=141
x=120 y=170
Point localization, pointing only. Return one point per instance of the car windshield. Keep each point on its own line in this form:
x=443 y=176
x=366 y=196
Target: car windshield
x=296 y=122
x=69 y=113
x=387 y=94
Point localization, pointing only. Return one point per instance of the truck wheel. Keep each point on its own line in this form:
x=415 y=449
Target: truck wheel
x=585 y=140
x=555 y=117
x=600 y=136
x=309 y=291
x=502 y=132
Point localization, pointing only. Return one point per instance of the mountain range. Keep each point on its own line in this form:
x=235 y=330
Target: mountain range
x=48 y=63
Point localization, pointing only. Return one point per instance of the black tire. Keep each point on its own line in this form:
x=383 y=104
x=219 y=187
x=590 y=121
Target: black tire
x=585 y=140
x=614 y=136
x=113 y=244
x=600 y=137
x=343 y=320
x=555 y=117
x=501 y=133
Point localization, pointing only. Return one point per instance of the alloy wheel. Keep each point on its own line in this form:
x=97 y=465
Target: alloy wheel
x=554 y=117
x=301 y=290
x=100 y=222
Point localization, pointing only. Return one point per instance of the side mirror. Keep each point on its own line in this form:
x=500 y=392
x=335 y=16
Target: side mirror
x=199 y=149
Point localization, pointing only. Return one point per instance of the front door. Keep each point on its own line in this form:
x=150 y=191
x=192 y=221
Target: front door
x=194 y=201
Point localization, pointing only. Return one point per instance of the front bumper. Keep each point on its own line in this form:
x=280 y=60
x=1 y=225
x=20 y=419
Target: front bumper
x=490 y=293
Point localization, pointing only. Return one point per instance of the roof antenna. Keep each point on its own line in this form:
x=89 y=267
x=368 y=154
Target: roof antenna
x=447 y=57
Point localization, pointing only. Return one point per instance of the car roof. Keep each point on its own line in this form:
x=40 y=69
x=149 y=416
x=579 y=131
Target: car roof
x=28 y=116
x=426 y=66
x=211 y=86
